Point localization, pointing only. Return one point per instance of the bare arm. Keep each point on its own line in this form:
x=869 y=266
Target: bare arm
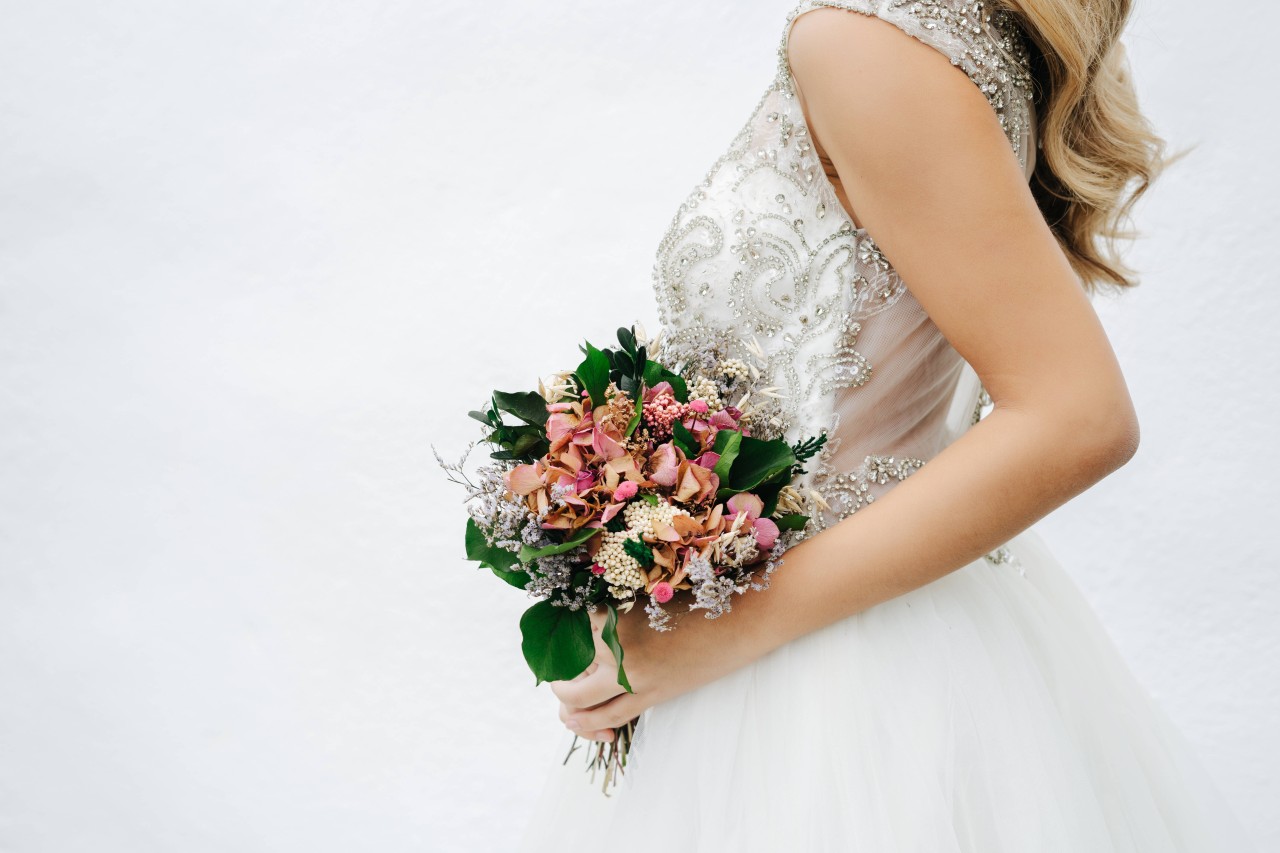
x=931 y=175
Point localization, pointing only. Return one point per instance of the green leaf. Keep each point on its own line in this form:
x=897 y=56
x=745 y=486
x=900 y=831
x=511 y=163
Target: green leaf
x=651 y=500
x=556 y=641
x=627 y=339
x=727 y=444
x=482 y=417
x=498 y=560
x=758 y=461
x=793 y=521
x=685 y=440
x=610 y=637
x=528 y=553
x=528 y=406
x=655 y=373
x=638 y=551
x=594 y=374
x=635 y=419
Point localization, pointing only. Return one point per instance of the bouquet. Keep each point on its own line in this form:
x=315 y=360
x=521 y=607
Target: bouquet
x=632 y=480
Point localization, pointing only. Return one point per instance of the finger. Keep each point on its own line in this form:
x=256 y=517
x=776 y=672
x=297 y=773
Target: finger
x=612 y=714
x=605 y=735
x=599 y=686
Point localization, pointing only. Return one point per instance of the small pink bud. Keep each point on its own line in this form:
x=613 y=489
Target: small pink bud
x=626 y=491
x=699 y=406
x=662 y=592
x=597 y=569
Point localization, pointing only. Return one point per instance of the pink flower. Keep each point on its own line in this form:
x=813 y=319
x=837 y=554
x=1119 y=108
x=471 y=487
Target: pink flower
x=597 y=569
x=524 y=479
x=748 y=503
x=662 y=592
x=708 y=459
x=766 y=533
x=605 y=445
x=699 y=406
x=666 y=464
x=584 y=482
x=626 y=491
x=723 y=420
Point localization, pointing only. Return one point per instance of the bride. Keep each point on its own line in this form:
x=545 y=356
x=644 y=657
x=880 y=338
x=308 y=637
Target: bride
x=909 y=227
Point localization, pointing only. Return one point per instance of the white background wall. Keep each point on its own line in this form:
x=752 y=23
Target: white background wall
x=256 y=257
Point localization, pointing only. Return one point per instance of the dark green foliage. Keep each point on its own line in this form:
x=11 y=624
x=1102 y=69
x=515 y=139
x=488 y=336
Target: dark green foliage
x=639 y=551
x=500 y=561
x=685 y=440
x=523 y=442
x=557 y=642
x=806 y=450
x=593 y=373
x=610 y=637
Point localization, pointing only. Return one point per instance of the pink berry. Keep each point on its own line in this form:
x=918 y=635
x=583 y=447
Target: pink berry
x=597 y=569
x=662 y=592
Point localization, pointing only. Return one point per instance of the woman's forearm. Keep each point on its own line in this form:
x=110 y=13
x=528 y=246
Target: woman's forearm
x=1006 y=472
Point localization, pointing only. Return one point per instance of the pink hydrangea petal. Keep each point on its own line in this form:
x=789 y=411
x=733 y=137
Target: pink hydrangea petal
x=524 y=479
x=605 y=446
x=766 y=533
x=748 y=503
x=723 y=420
x=658 y=389
x=666 y=465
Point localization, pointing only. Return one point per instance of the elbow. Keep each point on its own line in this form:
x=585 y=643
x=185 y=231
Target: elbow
x=1108 y=439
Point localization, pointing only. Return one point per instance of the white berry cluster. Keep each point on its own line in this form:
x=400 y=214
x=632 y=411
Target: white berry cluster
x=706 y=389
x=734 y=370
x=621 y=571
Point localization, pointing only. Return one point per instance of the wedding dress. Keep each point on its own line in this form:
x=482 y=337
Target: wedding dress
x=987 y=712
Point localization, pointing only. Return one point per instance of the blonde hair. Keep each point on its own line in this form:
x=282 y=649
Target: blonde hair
x=1099 y=153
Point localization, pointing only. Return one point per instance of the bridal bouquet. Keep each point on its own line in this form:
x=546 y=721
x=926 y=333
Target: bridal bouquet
x=630 y=480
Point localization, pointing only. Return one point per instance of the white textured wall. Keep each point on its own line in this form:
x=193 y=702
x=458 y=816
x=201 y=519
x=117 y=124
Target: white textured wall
x=255 y=257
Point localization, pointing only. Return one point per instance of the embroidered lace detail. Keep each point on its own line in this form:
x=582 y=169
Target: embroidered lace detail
x=985 y=42
x=763 y=250
x=847 y=493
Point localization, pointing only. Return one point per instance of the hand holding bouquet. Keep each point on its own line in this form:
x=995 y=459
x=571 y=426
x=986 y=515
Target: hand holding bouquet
x=629 y=480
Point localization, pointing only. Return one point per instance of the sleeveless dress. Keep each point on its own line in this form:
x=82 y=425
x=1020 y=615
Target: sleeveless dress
x=986 y=712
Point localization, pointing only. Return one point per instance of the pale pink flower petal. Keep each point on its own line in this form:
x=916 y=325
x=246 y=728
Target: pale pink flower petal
x=766 y=533
x=723 y=420
x=748 y=503
x=709 y=459
x=524 y=479
x=605 y=446
x=666 y=465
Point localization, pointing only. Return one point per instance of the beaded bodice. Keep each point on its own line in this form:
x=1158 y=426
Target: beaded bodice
x=763 y=249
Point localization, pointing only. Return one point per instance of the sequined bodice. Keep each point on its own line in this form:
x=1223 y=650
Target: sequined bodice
x=763 y=249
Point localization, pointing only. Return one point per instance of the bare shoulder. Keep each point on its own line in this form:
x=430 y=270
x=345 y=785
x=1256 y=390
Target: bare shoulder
x=923 y=159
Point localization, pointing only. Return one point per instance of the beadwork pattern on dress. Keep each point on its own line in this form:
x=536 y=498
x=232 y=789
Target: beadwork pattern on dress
x=763 y=248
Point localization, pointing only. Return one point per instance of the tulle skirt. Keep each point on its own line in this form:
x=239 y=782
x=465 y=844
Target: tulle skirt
x=987 y=712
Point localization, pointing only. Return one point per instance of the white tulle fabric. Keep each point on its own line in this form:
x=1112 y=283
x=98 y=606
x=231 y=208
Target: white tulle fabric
x=987 y=712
